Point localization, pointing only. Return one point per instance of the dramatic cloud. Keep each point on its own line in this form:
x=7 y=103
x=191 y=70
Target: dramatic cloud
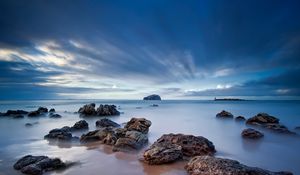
x=127 y=49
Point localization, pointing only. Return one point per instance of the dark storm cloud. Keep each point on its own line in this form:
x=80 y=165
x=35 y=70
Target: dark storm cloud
x=158 y=41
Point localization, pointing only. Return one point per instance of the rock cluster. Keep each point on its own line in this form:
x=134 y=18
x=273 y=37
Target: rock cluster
x=224 y=114
x=171 y=147
x=132 y=137
x=152 y=97
x=251 y=133
x=14 y=113
x=208 y=165
x=102 y=110
x=36 y=165
x=38 y=112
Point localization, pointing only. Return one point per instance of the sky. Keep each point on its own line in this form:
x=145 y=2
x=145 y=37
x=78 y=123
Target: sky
x=179 y=49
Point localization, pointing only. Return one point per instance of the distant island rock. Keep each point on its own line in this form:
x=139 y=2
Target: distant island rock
x=152 y=97
x=228 y=99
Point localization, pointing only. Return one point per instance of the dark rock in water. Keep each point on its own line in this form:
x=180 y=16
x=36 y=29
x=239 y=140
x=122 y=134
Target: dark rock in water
x=297 y=128
x=278 y=128
x=31 y=124
x=55 y=115
x=133 y=140
x=52 y=110
x=105 y=135
x=18 y=116
x=34 y=114
x=240 y=118
x=138 y=124
x=262 y=118
x=82 y=124
x=224 y=114
x=107 y=110
x=190 y=145
x=36 y=165
x=88 y=109
x=208 y=165
x=154 y=105
x=106 y=123
x=42 y=110
x=152 y=97
x=60 y=134
x=251 y=133
x=162 y=153
x=15 y=112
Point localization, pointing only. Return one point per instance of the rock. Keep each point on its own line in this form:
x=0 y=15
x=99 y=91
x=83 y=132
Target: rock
x=208 y=165
x=278 y=128
x=251 y=133
x=63 y=133
x=88 y=109
x=36 y=165
x=15 y=112
x=224 y=114
x=28 y=124
x=138 y=124
x=120 y=132
x=105 y=135
x=262 y=118
x=82 y=124
x=42 y=110
x=240 y=118
x=152 y=97
x=154 y=105
x=297 y=128
x=106 y=123
x=52 y=110
x=107 y=110
x=162 y=153
x=18 y=116
x=133 y=140
x=34 y=114
x=55 y=115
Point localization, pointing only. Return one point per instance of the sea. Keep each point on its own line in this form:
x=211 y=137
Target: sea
x=275 y=151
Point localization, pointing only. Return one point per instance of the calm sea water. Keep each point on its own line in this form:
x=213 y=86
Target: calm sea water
x=274 y=152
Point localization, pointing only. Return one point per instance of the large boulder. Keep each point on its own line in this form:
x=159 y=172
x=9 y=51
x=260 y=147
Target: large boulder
x=107 y=110
x=224 y=114
x=138 y=124
x=251 y=134
x=162 y=153
x=88 y=109
x=262 y=118
x=208 y=165
x=132 y=140
x=106 y=123
x=82 y=124
x=36 y=165
x=61 y=134
x=152 y=97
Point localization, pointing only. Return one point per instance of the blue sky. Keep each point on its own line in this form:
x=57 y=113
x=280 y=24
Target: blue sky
x=111 y=49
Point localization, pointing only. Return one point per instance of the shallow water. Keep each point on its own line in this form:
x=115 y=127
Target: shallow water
x=275 y=151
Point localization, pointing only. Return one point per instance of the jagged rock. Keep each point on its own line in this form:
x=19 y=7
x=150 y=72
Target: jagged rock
x=240 y=118
x=55 y=115
x=63 y=133
x=224 y=114
x=162 y=153
x=36 y=165
x=42 y=110
x=208 y=165
x=262 y=118
x=251 y=133
x=82 y=124
x=120 y=132
x=104 y=135
x=106 y=123
x=107 y=110
x=138 y=124
x=152 y=97
x=133 y=140
x=88 y=109
x=52 y=110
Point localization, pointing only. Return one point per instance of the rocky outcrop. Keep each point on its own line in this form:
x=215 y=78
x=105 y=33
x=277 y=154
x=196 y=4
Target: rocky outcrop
x=240 y=118
x=106 y=123
x=102 y=110
x=171 y=147
x=262 y=118
x=82 y=124
x=208 y=165
x=37 y=165
x=224 y=114
x=138 y=124
x=14 y=113
x=38 y=112
x=152 y=97
x=251 y=134
x=60 y=134
x=132 y=137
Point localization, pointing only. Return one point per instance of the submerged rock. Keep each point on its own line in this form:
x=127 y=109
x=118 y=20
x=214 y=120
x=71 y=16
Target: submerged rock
x=251 y=133
x=278 y=128
x=262 y=118
x=36 y=165
x=152 y=97
x=82 y=124
x=18 y=116
x=208 y=165
x=240 y=118
x=224 y=114
x=107 y=110
x=55 y=115
x=88 y=109
x=106 y=123
x=138 y=124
